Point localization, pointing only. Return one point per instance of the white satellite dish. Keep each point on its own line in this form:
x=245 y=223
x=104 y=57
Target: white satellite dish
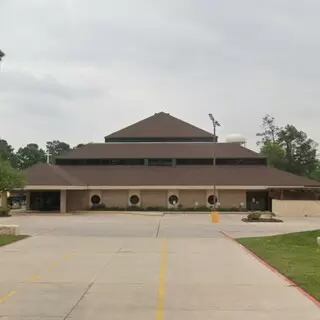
x=236 y=138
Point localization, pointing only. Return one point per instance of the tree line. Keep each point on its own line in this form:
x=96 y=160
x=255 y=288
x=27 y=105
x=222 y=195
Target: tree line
x=31 y=154
x=288 y=148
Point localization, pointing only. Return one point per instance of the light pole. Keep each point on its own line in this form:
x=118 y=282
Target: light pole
x=1 y=56
x=215 y=124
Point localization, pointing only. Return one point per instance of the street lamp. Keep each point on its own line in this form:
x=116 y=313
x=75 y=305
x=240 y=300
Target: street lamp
x=1 y=55
x=215 y=124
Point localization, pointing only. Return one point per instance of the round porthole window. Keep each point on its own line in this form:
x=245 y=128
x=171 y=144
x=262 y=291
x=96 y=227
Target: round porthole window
x=95 y=199
x=134 y=200
x=173 y=199
x=212 y=199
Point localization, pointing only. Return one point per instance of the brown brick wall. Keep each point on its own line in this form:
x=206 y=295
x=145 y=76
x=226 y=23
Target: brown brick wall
x=153 y=198
x=232 y=198
x=115 y=198
x=77 y=200
x=189 y=197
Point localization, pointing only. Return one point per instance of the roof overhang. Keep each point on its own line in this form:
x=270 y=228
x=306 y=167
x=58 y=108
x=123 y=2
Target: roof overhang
x=168 y=187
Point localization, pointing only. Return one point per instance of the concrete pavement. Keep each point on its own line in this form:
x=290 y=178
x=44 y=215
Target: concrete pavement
x=134 y=267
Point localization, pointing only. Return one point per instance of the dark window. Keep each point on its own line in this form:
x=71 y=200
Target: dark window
x=173 y=199
x=160 y=162
x=194 y=162
x=95 y=199
x=106 y=162
x=212 y=199
x=221 y=161
x=134 y=200
x=239 y=161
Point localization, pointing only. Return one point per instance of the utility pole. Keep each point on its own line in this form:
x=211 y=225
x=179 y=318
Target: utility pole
x=215 y=124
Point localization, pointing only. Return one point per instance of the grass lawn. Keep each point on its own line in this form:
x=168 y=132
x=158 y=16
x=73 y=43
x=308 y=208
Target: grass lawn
x=8 y=239
x=295 y=255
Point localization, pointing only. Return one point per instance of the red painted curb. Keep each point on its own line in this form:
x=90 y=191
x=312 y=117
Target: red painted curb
x=290 y=282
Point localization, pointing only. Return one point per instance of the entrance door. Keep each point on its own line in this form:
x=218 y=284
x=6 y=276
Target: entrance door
x=258 y=200
x=45 y=200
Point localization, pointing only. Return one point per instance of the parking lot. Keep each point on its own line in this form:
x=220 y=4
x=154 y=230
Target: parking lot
x=121 y=266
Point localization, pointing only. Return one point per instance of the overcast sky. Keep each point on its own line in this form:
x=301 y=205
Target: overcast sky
x=78 y=70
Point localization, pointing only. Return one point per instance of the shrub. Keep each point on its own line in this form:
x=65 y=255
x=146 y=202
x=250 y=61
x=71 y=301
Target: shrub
x=99 y=206
x=253 y=216
x=134 y=208
x=4 y=212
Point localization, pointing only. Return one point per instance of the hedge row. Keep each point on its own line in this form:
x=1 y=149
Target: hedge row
x=103 y=207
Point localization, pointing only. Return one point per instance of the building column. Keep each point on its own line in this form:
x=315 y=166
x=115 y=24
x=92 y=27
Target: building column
x=63 y=201
x=28 y=200
x=4 y=199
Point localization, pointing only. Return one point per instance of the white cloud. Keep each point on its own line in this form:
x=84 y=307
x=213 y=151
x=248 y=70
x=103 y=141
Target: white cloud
x=76 y=70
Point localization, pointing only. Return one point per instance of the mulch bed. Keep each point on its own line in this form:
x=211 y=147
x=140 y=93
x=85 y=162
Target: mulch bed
x=262 y=220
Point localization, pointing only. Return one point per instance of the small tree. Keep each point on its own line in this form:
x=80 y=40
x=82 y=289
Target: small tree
x=10 y=178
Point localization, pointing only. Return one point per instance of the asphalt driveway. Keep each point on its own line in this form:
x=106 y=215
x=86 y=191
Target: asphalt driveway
x=106 y=266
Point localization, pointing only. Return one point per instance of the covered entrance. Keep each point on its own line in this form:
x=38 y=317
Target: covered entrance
x=44 y=200
x=258 y=200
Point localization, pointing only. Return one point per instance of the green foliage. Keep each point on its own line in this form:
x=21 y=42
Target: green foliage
x=275 y=154
x=300 y=151
x=7 y=153
x=269 y=130
x=4 y=240
x=288 y=148
x=10 y=178
x=295 y=255
x=4 y=212
x=29 y=155
x=32 y=154
x=315 y=174
x=56 y=147
x=103 y=207
x=252 y=216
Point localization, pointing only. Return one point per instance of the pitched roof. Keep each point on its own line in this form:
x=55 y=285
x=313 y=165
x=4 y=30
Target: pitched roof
x=46 y=174
x=160 y=125
x=160 y=150
x=164 y=176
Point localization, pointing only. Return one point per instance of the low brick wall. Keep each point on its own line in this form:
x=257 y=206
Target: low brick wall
x=9 y=230
x=296 y=208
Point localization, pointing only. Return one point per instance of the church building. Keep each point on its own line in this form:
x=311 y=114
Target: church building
x=160 y=162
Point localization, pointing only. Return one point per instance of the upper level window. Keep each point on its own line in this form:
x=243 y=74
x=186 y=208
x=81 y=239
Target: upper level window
x=160 y=162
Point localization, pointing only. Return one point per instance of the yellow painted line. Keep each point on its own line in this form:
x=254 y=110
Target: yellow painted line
x=162 y=282
x=12 y=293
x=3 y=299
x=52 y=266
x=35 y=277
x=67 y=256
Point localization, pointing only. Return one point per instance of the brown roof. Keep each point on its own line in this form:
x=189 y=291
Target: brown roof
x=160 y=125
x=46 y=174
x=160 y=150
x=164 y=176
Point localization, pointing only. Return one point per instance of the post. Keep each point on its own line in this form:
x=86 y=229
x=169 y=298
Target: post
x=28 y=197
x=214 y=214
x=4 y=199
x=214 y=176
x=63 y=201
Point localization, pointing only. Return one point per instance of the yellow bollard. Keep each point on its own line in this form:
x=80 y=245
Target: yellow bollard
x=215 y=217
